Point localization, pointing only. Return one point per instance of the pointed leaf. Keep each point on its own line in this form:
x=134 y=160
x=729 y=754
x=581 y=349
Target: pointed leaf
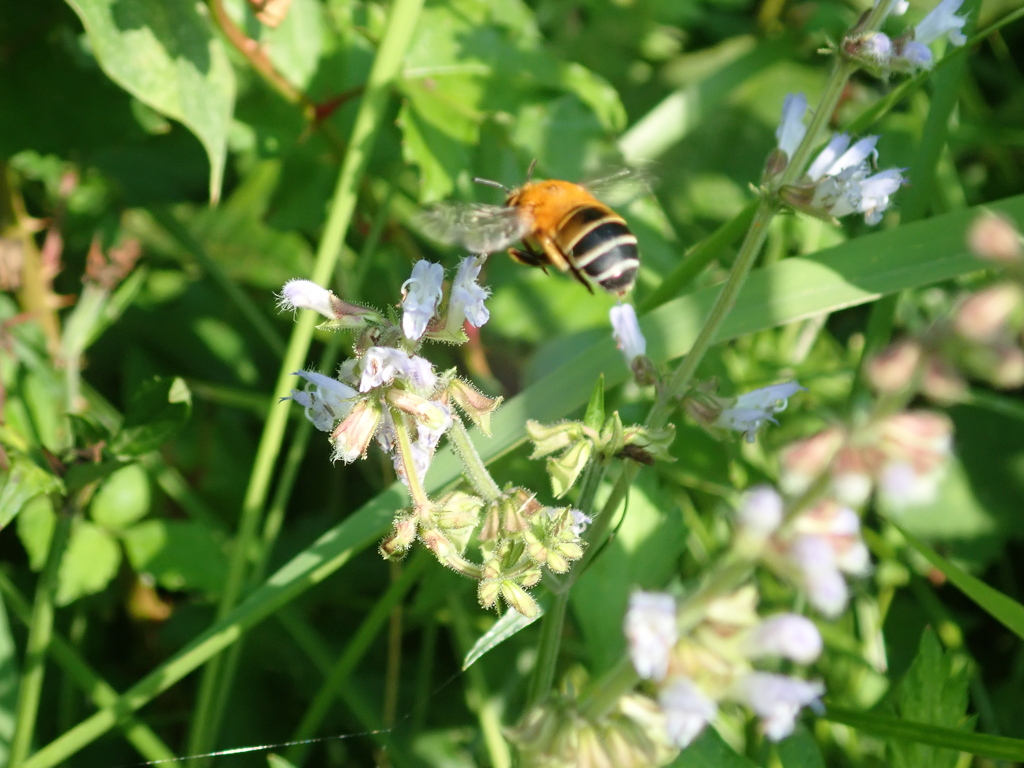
x=509 y=624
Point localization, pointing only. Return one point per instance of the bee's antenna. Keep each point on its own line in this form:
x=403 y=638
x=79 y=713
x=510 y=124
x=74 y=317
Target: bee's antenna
x=529 y=171
x=491 y=183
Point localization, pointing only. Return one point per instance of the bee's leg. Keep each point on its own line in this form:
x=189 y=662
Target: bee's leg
x=528 y=256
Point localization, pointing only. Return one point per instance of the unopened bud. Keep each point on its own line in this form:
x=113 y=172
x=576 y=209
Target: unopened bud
x=487 y=593
x=458 y=510
x=984 y=315
x=474 y=403
x=397 y=544
x=353 y=435
x=942 y=382
x=893 y=370
x=804 y=461
x=776 y=163
x=518 y=599
x=994 y=237
x=491 y=528
x=426 y=412
x=1008 y=370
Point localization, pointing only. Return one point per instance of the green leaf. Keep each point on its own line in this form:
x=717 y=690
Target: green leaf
x=507 y=625
x=438 y=134
x=800 y=750
x=165 y=54
x=122 y=499
x=709 y=750
x=155 y=414
x=8 y=684
x=933 y=692
x=276 y=761
x=181 y=555
x=594 y=416
x=1002 y=608
x=24 y=482
x=35 y=527
x=90 y=561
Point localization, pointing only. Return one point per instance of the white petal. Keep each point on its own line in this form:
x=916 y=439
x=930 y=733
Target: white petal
x=687 y=710
x=791 y=129
x=827 y=156
x=942 y=21
x=421 y=294
x=652 y=631
x=626 y=328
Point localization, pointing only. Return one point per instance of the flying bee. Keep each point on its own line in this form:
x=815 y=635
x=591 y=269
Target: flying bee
x=559 y=223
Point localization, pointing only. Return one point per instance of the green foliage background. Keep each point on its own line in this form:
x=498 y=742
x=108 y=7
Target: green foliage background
x=121 y=119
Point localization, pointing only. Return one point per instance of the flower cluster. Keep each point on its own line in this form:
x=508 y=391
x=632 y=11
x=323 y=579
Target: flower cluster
x=699 y=653
x=983 y=337
x=910 y=52
x=903 y=456
x=842 y=178
x=387 y=392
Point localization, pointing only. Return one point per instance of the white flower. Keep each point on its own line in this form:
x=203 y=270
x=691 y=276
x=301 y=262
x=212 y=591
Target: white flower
x=652 y=632
x=687 y=710
x=468 y=296
x=815 y=558
x=777 y=700
x=942 y=21
x=626 y=328
x=915 y=55
x=580 y=522
x=788 y=635
x=328 y=401
x=382 y=365
x=305 y=294
x=760 y=514
x=791 y=128
x=898 y=8
x=836 y=158
x=421 y=294
x=752 y=410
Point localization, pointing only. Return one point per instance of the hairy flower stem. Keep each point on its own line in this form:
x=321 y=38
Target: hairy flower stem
x=419 y=498
x=472 y=465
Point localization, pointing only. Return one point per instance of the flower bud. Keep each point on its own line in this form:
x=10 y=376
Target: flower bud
x=458 y=510
x=519 y=599
x=992 y=236
x=397 y=544
x=760 y=514
x=487 y=593
x=426 y=412
x=984 y=315
x=474 y=403
x=802 y=462
x=353 y=435
x=942 y=382
x=894 y=369
x=1008 y=371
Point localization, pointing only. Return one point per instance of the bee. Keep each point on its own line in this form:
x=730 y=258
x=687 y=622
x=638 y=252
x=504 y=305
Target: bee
x=560 y=224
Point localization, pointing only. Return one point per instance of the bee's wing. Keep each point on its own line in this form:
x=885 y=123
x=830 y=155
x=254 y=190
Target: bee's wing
x=475 y=226
x=622 y=186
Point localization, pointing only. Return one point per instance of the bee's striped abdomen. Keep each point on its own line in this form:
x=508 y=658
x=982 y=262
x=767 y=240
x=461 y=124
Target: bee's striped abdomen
x=598 y=243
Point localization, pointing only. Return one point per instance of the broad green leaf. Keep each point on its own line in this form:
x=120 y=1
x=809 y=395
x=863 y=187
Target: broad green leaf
x=21 y=484
x=8 y=684
x=800 y=750
x=933 y=692
x=709 y=750
x=90 y=561
x=122 y=499
x=276 y=761
x=165 y=54
x=1001 y=607
x=158 y=410
x=181 y=555
x=437 y=137
x=35 y=526
x=508 y=624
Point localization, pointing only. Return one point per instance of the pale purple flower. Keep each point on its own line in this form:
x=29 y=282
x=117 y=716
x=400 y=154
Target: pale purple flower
x=687 y=710
x=305 y=294
x=468 y=296
x=876 y=46
x=580 y=522
x=652 y=632
x=421 y=294
x=752 y=410
x=815 y=559
x=776 y=699
x=916 y=55
x=791 y=128
x=942 y=21
x=787 y=635
x=760 y=513
x=626 y=329
x=326 y=402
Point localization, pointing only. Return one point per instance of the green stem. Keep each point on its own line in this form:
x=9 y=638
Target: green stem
x=550 y=642
x=369 y=119
x=404 y=447
x=40 y=633
x=350 y=657
x=137 y=733
x=473 y=466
